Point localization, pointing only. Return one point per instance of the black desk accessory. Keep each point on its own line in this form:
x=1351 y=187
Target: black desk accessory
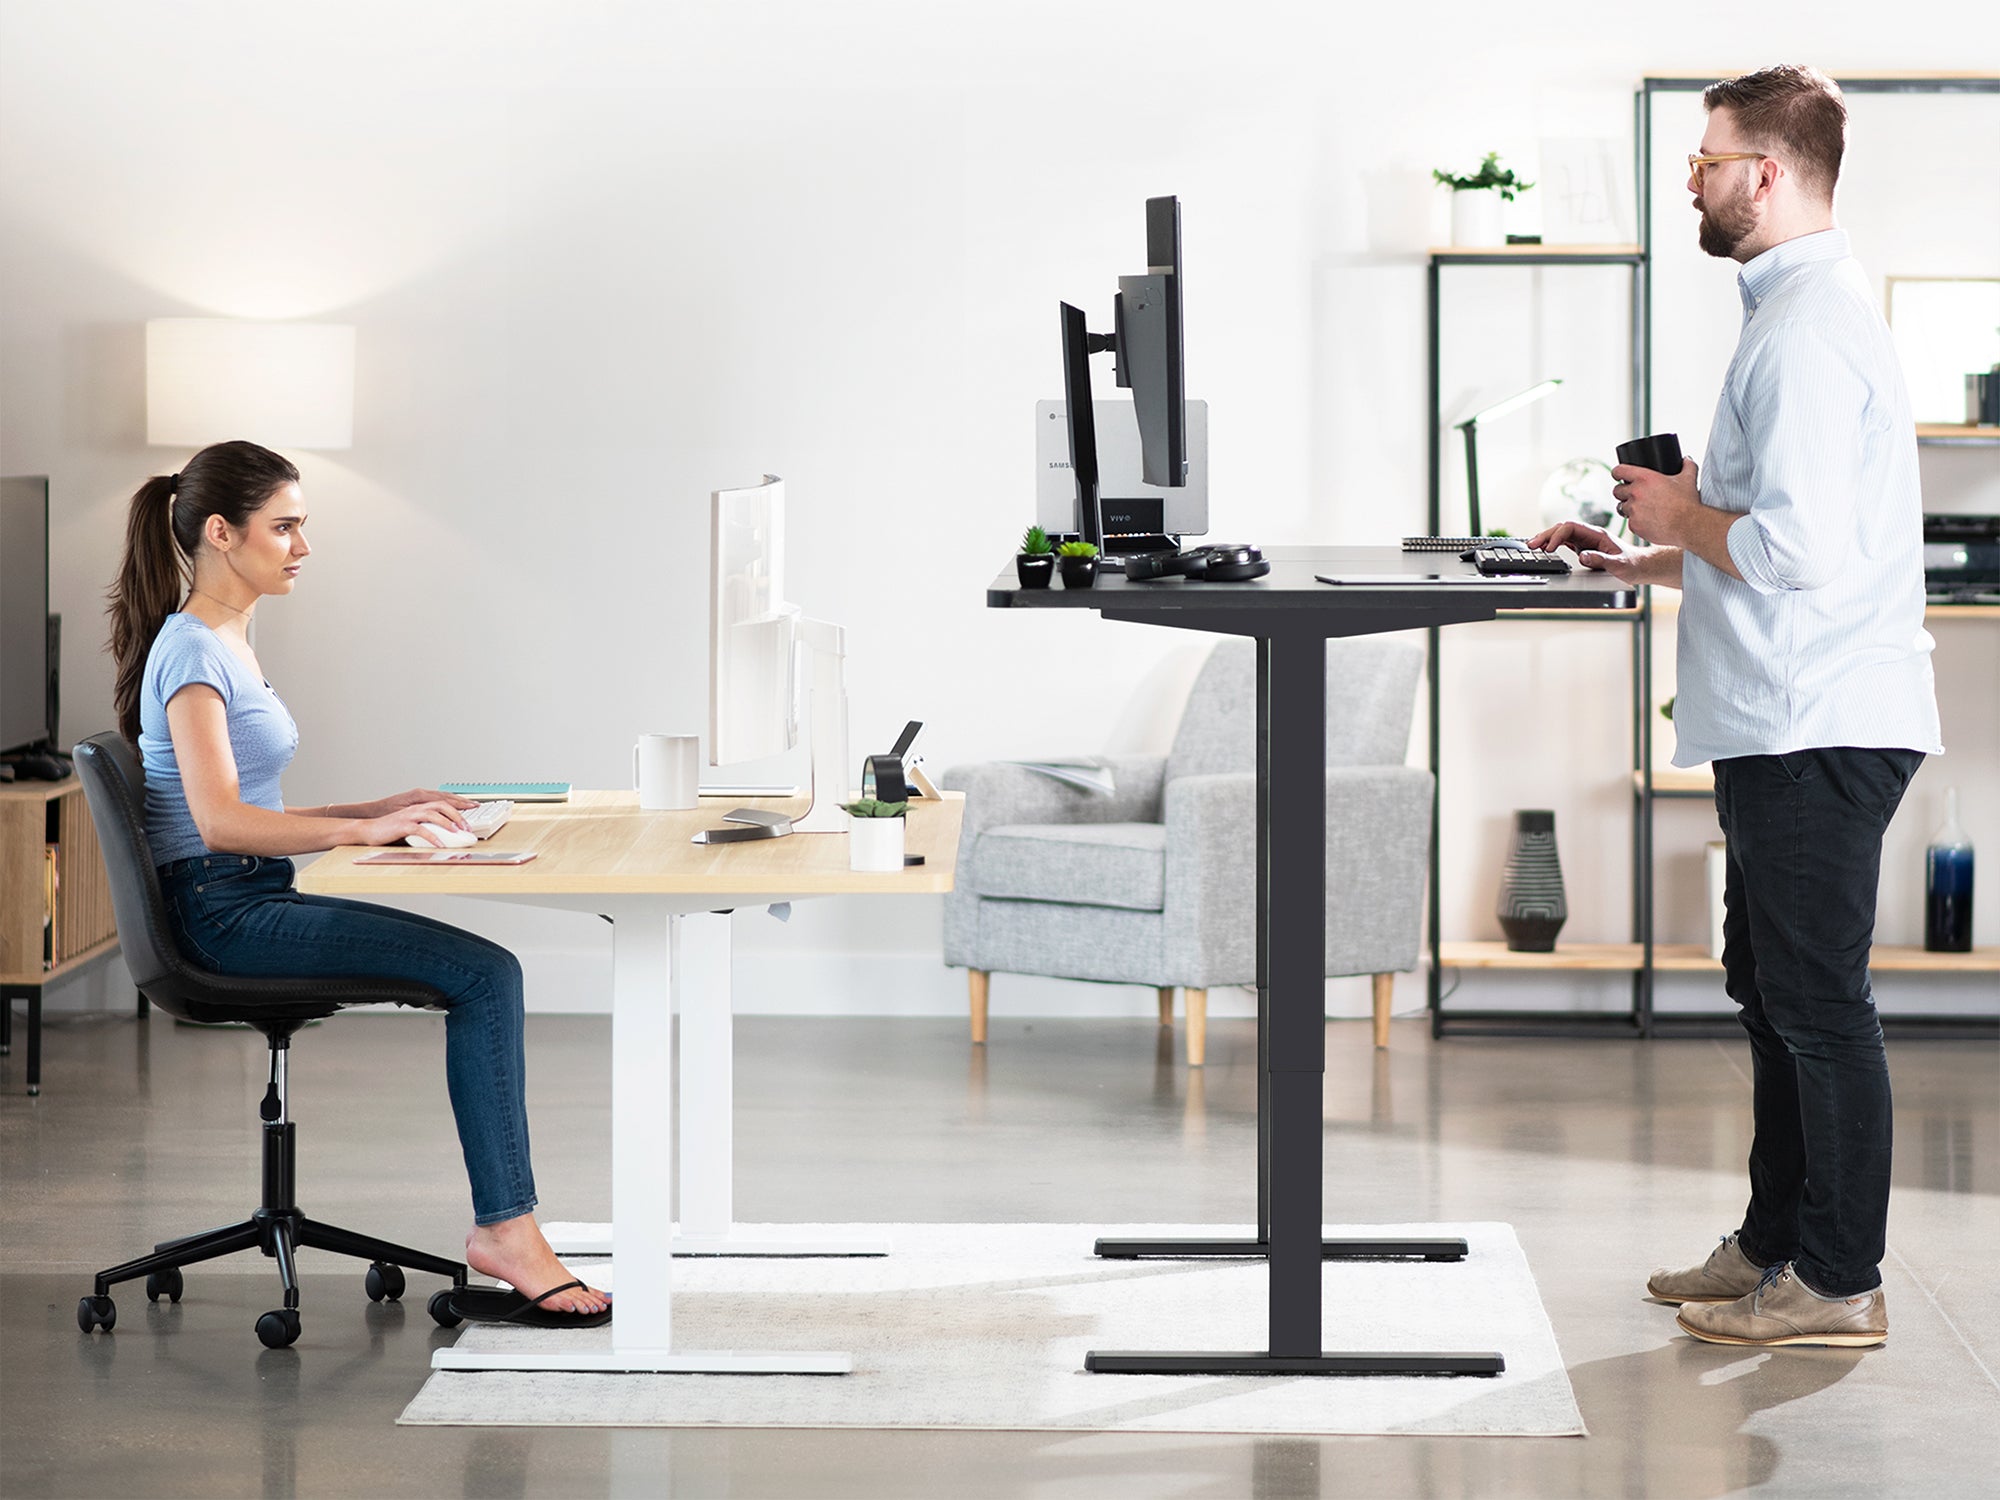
x=899 y=775
x=38 y=765
x=1498 y=562
x=1660 y=452
x=1224 y=563
x=1961 y=558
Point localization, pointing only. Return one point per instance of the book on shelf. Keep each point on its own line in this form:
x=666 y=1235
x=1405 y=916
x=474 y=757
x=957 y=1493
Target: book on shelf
x=49 y=882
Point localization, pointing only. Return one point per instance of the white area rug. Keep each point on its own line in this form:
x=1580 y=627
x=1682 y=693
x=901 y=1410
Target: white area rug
x=986 y=1326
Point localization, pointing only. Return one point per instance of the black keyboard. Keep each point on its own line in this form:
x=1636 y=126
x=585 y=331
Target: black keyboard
x=1456 y=543
x=1495 y=561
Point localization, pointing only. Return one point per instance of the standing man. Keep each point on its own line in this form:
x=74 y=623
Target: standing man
x=1805 y=676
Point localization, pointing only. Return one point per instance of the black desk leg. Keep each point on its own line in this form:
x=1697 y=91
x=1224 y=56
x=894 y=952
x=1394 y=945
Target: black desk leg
x=1291 y=940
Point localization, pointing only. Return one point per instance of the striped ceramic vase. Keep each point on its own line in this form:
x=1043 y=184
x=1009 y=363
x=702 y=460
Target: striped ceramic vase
x=1532 y=909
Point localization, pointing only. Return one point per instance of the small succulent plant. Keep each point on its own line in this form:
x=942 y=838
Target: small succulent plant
x=1490 y=175
x=1035 y=542
x=869 y=807
x=1077 y=549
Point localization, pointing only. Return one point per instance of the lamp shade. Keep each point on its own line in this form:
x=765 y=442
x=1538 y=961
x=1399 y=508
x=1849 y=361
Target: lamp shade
x=285 y=385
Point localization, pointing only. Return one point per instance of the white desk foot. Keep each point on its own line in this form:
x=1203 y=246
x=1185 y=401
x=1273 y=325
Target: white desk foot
x=739 y=1242
x=766 y=1239
x=651 y=1361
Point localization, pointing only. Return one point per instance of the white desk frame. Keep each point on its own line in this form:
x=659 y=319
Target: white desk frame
x=670 y=950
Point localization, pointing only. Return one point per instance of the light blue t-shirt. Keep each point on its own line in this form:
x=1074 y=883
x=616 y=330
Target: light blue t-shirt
x=261 y=732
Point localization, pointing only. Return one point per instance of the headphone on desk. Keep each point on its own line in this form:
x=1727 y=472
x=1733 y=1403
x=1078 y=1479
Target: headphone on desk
x=1228 y=562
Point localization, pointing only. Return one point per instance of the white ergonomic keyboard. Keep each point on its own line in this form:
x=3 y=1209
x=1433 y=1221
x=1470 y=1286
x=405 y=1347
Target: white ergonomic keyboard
x=481 y=822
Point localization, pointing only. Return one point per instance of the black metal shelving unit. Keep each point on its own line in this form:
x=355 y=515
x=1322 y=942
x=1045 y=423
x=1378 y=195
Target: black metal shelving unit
x=1642 y=1020
x=1637 y=957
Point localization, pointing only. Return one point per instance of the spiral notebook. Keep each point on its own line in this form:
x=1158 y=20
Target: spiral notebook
x=509 y=791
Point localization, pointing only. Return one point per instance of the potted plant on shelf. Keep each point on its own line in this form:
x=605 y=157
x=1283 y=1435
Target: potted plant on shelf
x=1035 y=564
x=874 y=834
x=1476 y=200
x=1078 y=562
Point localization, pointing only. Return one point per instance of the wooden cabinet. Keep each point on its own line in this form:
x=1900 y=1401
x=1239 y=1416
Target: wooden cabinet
x=55 y=902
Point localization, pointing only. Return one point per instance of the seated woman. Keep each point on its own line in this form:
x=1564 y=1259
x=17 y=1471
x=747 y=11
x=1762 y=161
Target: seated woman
x=214 y=737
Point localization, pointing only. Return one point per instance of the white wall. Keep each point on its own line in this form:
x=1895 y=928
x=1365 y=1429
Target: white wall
x=606 y=257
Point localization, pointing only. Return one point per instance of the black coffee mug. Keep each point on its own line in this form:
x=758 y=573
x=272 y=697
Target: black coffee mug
x=1661 y=452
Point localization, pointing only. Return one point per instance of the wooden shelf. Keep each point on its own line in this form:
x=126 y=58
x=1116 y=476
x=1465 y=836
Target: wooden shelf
x=1536 y=252
x=1887 y=958
x=1497 y=955
x=1957 y=432
x=1962 y=612
x=75 y=961
x=1672 y=781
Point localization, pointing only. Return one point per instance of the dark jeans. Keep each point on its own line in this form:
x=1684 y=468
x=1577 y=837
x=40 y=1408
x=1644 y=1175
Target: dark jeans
x=1804 y=832
x=237 y=914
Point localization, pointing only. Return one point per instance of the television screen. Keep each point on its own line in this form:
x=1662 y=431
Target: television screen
x=24 y=612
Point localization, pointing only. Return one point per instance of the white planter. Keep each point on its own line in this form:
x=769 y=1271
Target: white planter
x=1475 y=219
x=874 y=843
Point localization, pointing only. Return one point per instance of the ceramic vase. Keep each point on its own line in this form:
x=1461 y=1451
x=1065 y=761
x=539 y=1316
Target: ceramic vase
x=1532 y=908
x=874 y=843
x=1475 y=220
x=1078 y=572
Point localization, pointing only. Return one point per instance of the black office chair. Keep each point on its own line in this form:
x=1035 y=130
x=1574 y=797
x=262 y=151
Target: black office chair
x=115 y=785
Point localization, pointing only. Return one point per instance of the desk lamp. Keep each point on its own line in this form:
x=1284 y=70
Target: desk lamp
x=1470 y=427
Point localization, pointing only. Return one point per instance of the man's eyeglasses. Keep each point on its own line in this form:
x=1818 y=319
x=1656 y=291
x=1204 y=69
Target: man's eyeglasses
x=1699 y=164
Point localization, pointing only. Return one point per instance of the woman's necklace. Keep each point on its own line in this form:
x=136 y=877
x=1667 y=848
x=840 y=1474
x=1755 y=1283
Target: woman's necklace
x=204 y=594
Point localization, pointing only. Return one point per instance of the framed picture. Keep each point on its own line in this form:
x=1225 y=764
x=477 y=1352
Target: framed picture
x=1586 y=193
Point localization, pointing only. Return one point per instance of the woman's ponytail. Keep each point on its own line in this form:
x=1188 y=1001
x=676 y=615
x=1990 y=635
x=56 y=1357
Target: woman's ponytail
x=162 y=535
x=148 y=589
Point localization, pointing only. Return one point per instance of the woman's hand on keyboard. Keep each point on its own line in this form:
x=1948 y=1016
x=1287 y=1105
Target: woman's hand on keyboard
x=416 y=797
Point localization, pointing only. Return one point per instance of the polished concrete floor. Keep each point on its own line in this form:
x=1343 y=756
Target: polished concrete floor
x=1608 y=1158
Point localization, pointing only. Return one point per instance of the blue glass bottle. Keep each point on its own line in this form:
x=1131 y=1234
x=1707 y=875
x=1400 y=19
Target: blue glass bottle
x=1948 y=885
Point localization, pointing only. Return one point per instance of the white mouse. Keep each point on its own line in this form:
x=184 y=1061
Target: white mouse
x=450 y=838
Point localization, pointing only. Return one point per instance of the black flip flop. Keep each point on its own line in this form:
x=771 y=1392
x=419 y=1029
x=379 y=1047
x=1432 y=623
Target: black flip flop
x=489 y=1304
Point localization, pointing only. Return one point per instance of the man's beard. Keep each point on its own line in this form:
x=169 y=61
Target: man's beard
x=1725 y=225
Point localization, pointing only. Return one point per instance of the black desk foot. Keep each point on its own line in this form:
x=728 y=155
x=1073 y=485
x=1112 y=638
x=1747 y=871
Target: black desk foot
x=1429 y=1249
x=1100 y=1362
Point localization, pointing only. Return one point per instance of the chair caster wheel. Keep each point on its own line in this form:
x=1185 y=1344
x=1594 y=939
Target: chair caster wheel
x=96 y=1312
x=280 y=1329
x=384 y=1281
x=166 y=1284
x=441 y=1312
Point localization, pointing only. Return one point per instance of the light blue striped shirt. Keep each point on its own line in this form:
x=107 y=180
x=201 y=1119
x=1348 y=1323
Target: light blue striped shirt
x=1821 y=643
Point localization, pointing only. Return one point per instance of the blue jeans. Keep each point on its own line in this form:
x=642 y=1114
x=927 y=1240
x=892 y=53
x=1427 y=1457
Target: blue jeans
x=1804 y=832
x=238 y=914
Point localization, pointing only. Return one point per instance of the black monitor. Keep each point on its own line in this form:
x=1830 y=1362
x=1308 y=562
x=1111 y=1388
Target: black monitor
x=1147 y=343
x=24 y=614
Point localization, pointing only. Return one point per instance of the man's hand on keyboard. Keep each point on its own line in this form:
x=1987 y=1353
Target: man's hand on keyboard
x=1599 y=550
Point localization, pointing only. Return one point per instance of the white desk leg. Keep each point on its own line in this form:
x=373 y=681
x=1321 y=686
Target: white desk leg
x=645 y=975
x=708 y=1111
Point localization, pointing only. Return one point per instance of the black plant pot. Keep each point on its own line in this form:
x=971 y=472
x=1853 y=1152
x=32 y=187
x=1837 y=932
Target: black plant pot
x=1078 y=572
x=1035 y=569
x=1532 y=908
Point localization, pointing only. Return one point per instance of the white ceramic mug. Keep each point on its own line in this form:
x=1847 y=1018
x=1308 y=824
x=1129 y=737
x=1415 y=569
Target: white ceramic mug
x=666 y=769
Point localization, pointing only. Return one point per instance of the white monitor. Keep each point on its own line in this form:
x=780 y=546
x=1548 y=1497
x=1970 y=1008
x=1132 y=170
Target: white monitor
x=752 y=632
x=764 y=660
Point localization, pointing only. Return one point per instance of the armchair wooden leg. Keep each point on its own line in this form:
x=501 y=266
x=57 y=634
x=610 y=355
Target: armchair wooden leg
x=1166 y=1005
x=1385 y=988
x=976 y=980
x=1197 y=1018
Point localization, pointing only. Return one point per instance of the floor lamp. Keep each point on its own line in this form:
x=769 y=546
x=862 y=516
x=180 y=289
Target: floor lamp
x=1470 y=427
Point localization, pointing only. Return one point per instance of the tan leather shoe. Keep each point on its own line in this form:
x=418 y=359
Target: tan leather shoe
x=1726 y=1275
x=1781 y=1311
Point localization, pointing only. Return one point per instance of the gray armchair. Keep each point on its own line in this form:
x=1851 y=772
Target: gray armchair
x=1156 y=884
